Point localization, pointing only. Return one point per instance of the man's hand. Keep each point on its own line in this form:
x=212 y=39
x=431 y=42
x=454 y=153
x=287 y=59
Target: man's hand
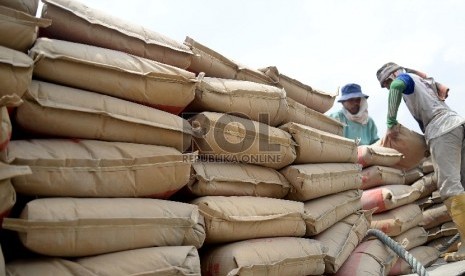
x=393 y=132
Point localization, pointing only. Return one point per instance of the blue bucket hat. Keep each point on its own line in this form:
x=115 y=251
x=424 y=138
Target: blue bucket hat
x=351 y=90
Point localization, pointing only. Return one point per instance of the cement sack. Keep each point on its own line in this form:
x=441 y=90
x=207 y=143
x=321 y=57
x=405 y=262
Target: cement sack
x=67 y=112
x=396 y=221
x=369 y=258
x=255 y=101
x=425 y=255
x=113 y=73
x=375 y=176
x=389 y=197
x=300 y=114
x=267 y=256
x=309 y=181
x=236 y=179
x=312 y=98
x=19 y=29
x=342 y=238
x=411 y=144
x=316 y=146
x=15 y=72
x=375 y=155
x=26 y=6
x=435 y=216
x=91 y=168
x=90 y=226
x=427 y=165
x=427 y=184
x=161 y=261
x=213 y=64
x=7 y=191
x=413 y=175
x=411 y=238
x=440 y=243
x=324 y=212
x=447 y=229
x=8 y=101
x=237 y=218
x=228 y=138
x=73 y=21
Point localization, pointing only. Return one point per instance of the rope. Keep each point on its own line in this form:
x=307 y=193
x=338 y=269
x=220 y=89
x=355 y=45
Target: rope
x=417 y=267
x=446 y=246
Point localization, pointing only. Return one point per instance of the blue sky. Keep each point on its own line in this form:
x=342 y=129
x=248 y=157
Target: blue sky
x=322 y=43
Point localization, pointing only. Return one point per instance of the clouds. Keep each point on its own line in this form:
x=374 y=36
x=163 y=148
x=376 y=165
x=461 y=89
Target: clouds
x=322 y=43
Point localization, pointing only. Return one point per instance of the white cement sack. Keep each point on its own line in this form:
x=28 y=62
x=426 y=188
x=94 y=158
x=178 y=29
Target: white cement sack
x=73 y=21
x=236 y=218
x=160 y=261
x=435 y=216
x=396 y=221
x=300 y=114
x=62 y=111
x=255 y=101
x=113 y=73
x=389 y=197
x=7 y=191
x=213 y=64
x=91 y=168
x=312 y=98
x=342 y=238
x=316 y=146
x=411 y=238
x=15 y=72
x=236 y=179
x=6 y=129
x=19 y=29
x=268 y=256
x=374 y=176
x=425 y=255
x=322 y=213
x=26 y=6
x=224 y=137
x=309 y=181
x=90 y=226
x=427 y=184
x=371 y=155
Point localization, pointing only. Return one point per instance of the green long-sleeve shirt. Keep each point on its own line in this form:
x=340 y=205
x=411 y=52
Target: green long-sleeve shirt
x=395 y=96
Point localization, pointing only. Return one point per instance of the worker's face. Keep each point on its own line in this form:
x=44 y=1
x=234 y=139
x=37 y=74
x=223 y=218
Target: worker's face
x=352 y=105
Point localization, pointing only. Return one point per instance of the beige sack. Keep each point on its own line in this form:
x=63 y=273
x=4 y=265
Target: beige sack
x=272 y=257
x=224 y=137
x=427 y=184
x=300 y=114
x=7 y=191
x=91 y=168
x=90 y=226
x=427 y=165
x=342 y=238
x=15 y=72
x=312 y=98
x=27 y=6
x=316 y=146
x=309 y=181
x=67 y=112
x=371 y=155
x=374 y=176
x=160 y=261
x=215 y=65
x=322 y=213
x=237 y=218
x=411 y=144
x=425 y=255
x=396 y=221
x=255 y=101
x=413 y=175
x=236 y=179
x=6 y=102
x=389 y=197
x=371 y=257
x=411 y=238
x=447 y=229
x=19 y=29
x=113 y=73
x=435 y=216
x=444 y=241
x=73 y=21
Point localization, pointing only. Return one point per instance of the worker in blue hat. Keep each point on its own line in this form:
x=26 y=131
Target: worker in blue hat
x=354 y=115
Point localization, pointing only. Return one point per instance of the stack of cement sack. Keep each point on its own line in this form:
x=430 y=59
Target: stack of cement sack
x=97 y=147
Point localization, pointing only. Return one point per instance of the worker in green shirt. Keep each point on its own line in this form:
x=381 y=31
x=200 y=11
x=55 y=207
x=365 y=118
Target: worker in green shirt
x=354 y=115
x=444 y=132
